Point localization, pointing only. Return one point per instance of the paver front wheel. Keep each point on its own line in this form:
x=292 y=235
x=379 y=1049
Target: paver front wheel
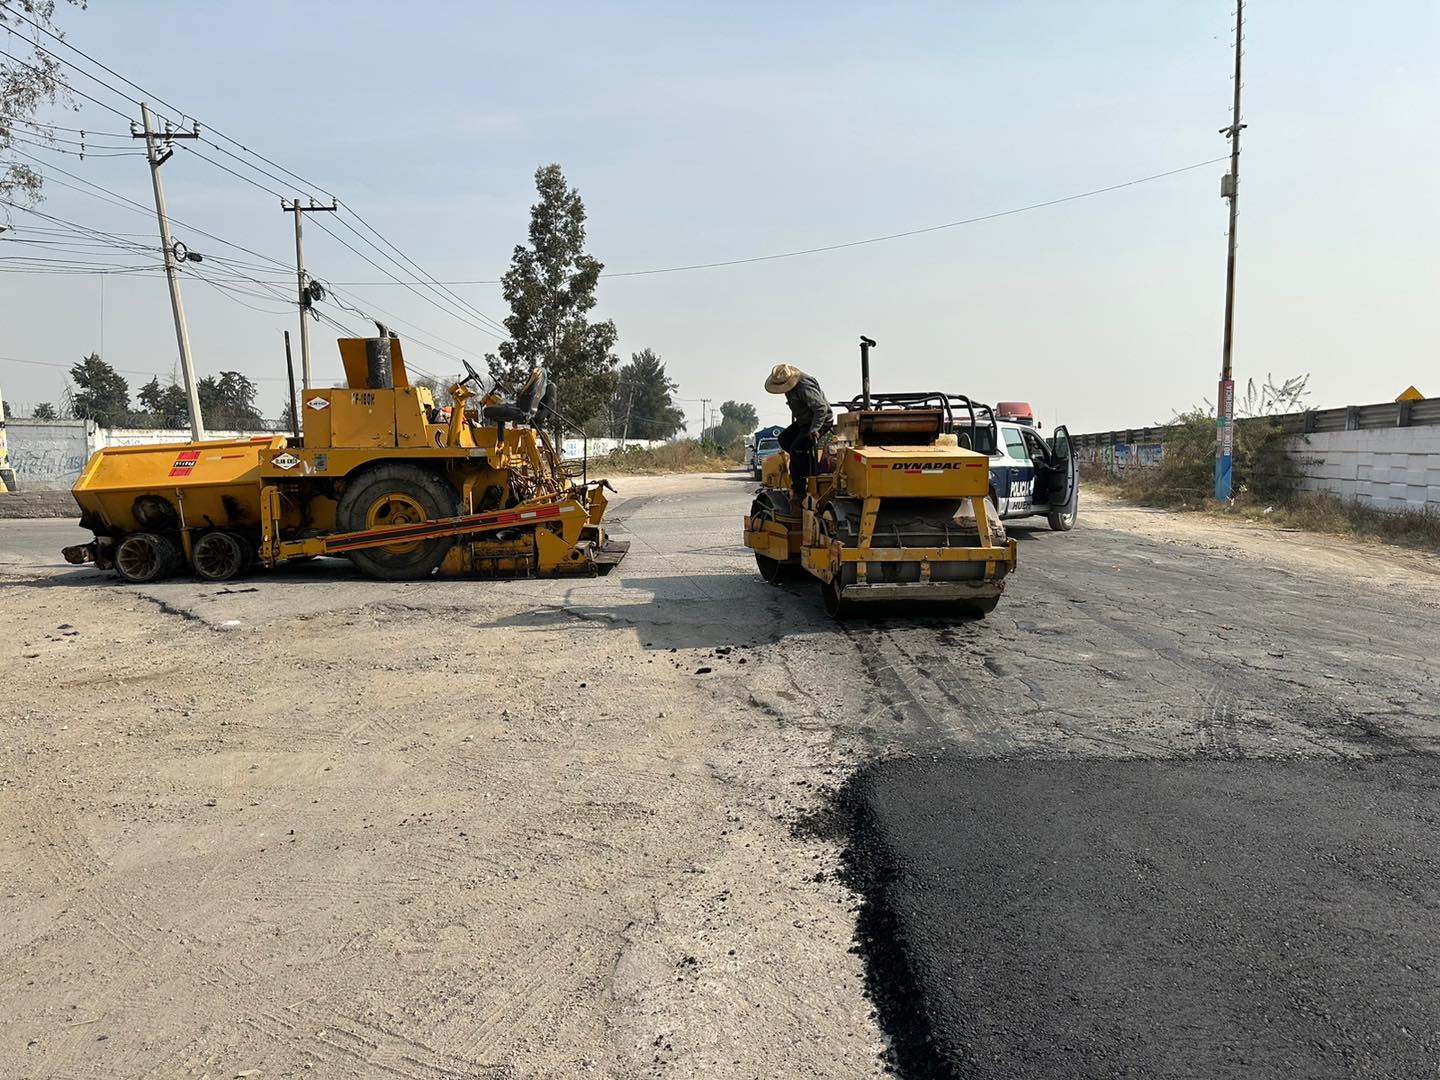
x=772 y=570
x=835 y=605
x=397 y=494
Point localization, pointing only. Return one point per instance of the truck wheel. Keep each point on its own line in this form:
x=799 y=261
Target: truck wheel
x=219 y=556
x=144 y=557
x=397 y=494
x=1064 y=520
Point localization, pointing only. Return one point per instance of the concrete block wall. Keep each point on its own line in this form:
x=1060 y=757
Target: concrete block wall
x=1387 y=468
x=50 y=454
x=575 y=448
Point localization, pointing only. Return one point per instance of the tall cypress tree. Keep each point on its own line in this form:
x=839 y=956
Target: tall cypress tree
x=550 y=287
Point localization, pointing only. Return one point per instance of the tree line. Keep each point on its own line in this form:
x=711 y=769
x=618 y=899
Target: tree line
x=99 y=393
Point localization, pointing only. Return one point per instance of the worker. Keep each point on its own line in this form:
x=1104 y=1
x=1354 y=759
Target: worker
x=811 y=420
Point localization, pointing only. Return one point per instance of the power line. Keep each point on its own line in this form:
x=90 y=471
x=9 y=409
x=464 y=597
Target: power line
x=136 y=207
x=123 y=371
x=61 y=82
x=469 y=306
x=48 y=127
x=100 y=152
x=390 y=318
x=464 y=305
x=918 y=232
x=408 y=285
x=156 y=97
x=851 y=243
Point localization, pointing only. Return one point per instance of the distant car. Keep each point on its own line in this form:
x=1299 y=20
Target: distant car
x=756 y=455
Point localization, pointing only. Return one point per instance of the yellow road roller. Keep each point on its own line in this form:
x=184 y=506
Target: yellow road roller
x=380 y=476
x=898 y=508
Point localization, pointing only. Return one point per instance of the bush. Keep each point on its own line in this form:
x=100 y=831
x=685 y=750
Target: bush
x=1263 y=467
x=684 y=455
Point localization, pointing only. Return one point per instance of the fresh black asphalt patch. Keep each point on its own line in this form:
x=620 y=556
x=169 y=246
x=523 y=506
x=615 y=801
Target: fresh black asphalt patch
x=1195 y=918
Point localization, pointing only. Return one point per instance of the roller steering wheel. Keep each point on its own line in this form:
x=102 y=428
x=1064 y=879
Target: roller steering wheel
x=472 y=373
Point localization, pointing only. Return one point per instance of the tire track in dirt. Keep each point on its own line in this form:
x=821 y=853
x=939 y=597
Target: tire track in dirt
x=137 y=930
x=538 y=979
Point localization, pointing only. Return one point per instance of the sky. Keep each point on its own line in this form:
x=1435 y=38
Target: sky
x=709 y=132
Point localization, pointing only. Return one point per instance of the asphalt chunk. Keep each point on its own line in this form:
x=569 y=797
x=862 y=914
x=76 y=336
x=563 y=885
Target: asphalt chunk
x=1195 y=918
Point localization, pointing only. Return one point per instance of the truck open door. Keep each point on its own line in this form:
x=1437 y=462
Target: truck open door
x=1065 y=481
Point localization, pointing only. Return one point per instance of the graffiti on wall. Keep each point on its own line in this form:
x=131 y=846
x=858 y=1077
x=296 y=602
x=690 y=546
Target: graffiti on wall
x=1116 y=458
x=49 y=466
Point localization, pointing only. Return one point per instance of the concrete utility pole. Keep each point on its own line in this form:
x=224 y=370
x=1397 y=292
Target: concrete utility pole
x=303 y=296
x=157 y=157
x=1229 y=189
x=629 y=407
x=704 y=411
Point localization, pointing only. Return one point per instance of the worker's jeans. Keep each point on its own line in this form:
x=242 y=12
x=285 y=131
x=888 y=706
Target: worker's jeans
x=795 y=440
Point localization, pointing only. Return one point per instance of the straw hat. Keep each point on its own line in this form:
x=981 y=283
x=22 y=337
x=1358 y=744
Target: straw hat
x=783 y=378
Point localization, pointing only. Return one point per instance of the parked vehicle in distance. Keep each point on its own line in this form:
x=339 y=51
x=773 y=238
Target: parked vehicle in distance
x=767 y=446
x=760 y=445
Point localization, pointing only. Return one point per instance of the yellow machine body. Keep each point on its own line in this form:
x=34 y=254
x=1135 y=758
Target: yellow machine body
x=202 y=483
x=896 y=510
x=380 y=476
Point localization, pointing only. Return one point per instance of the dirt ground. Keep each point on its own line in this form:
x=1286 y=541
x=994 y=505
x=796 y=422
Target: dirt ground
x=310 y=825
x=1385 y=565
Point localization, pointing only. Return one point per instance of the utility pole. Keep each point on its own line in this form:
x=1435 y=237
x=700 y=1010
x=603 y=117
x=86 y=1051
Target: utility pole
x=629 y=407
x=303 y=296
x=704 y=410
x=157 y=157
x=1229 y=189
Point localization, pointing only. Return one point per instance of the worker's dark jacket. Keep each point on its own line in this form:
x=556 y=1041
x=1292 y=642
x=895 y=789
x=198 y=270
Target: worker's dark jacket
x=808 y=407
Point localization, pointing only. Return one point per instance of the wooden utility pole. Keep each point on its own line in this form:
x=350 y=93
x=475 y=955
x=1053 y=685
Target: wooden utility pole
x=303 y=296
x=1229 y=189
x=157 y=157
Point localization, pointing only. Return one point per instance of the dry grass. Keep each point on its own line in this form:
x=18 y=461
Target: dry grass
x=683 y=456
x=1313 y=513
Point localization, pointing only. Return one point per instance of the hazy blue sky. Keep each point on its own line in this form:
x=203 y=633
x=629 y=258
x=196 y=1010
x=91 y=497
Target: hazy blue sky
x=706 y=132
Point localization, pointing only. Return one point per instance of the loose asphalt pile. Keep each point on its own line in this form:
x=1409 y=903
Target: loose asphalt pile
x=1152 y=919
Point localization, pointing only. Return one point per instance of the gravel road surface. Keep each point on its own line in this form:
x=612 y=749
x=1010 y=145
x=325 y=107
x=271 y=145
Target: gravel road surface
x=316 y=825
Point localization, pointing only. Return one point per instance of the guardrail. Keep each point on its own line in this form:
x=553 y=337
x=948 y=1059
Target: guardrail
x=1390 y=414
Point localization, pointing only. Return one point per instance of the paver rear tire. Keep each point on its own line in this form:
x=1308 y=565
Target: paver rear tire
x=219 y=556
x=395 y=493
x=144 y=557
